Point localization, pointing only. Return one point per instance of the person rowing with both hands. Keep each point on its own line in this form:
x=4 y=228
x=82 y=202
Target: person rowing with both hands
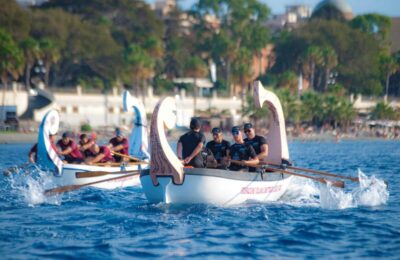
x=120 y=145
x=241 y=155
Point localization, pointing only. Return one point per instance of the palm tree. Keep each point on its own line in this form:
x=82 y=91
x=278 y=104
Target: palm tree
x=311 y=58
x=389 y=67
x=196 y=68
x=140 y=66
x=11 y=60
x=382 y=111
x=31 y=51
x=330 y=61
x=50 y=54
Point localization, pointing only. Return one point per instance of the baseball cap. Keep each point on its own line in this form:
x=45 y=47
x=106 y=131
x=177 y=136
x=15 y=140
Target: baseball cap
x=235 y=130
x=216 y=130
x=195 y=123
x=67 y=134
x=118 y=131
x=247 y=126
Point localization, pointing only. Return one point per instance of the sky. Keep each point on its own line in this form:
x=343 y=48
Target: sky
x=385 y=7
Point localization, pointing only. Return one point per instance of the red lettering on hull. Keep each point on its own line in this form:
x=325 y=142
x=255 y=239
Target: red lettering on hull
x=260 y=190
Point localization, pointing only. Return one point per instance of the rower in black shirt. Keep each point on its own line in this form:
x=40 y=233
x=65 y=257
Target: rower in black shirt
x=258 y=142
x=218 y=146
x=191 y=144
x=241 y=152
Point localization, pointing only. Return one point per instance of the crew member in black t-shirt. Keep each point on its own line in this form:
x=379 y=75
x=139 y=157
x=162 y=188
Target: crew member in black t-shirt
x=242 y=153
x=191 y=144
x=258 y=142
x=218 y=146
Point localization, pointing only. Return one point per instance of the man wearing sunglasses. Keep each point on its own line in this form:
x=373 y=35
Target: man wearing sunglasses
x=258 y=142
x=218 y=146
x=243 y=154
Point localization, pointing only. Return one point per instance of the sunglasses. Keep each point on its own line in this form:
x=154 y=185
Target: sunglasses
x=247 y=131
x=235 y=133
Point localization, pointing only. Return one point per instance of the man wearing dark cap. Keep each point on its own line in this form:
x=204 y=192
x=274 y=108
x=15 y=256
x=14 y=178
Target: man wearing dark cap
x=84 y=145
x=191 y=144
x=69 y=149
x=218 y=146
x=242 y=153
x=119 y=144
x=258 y=142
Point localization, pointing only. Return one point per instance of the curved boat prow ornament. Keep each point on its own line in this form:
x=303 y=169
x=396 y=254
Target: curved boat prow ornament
x=164 y=162
x=47 y=157
x=66 y=173
x=168 y=182
x=138 y=139
x=277 y=140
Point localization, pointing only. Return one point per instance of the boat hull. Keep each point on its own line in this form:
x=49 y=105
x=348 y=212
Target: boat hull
x=217 y=187
x=68 y=176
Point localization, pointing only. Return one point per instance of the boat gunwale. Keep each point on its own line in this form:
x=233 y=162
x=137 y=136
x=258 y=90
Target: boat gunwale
x=227 y=174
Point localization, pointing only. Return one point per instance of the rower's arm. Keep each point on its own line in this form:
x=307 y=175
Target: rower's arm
x=179 y=150
x=96 y=159
x=264 y=152
x=195 y=152
x=252 y=162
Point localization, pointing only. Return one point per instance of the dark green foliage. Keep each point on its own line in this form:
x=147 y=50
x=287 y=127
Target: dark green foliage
x=86 y=128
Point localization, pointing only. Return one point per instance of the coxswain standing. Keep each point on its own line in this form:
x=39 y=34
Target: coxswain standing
x=119 y=144
x=100 y=154
x=242 y=153
x=191 y=144
x=69 y=149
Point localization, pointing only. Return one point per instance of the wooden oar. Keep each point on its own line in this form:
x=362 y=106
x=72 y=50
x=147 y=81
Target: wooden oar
x=67 y=188
x=118 y=164
x=126 y=156
x=339 y=184
x=100 y=173
x=355 y=179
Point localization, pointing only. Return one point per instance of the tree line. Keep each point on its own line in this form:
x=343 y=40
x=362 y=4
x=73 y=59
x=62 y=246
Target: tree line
x=100 y=43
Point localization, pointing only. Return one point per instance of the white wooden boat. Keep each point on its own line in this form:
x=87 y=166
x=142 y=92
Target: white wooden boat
x=65 y=174
x=167 y=181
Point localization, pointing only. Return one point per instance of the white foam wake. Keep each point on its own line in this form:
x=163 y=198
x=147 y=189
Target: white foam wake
x=370 y=192
x=29 y=183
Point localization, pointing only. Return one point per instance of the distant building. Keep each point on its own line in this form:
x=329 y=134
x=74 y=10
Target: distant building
x=329 y=6
x=293 y=17
x=394 y=35
x=31 y=2
x=164 y=7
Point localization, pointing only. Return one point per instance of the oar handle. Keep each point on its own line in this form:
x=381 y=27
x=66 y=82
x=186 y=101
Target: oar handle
x=126 y=156
x=100 y=173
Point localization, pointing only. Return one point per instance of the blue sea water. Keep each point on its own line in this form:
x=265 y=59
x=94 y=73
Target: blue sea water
x=311 y=221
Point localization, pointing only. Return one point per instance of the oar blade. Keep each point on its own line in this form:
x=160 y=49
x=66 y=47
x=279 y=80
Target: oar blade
x=338 y=184
x=62 y=189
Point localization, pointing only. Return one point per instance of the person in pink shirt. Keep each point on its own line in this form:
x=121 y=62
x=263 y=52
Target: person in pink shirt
x=101 y=154
x=69 y=149
x=119 y=144
x=84 y=145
